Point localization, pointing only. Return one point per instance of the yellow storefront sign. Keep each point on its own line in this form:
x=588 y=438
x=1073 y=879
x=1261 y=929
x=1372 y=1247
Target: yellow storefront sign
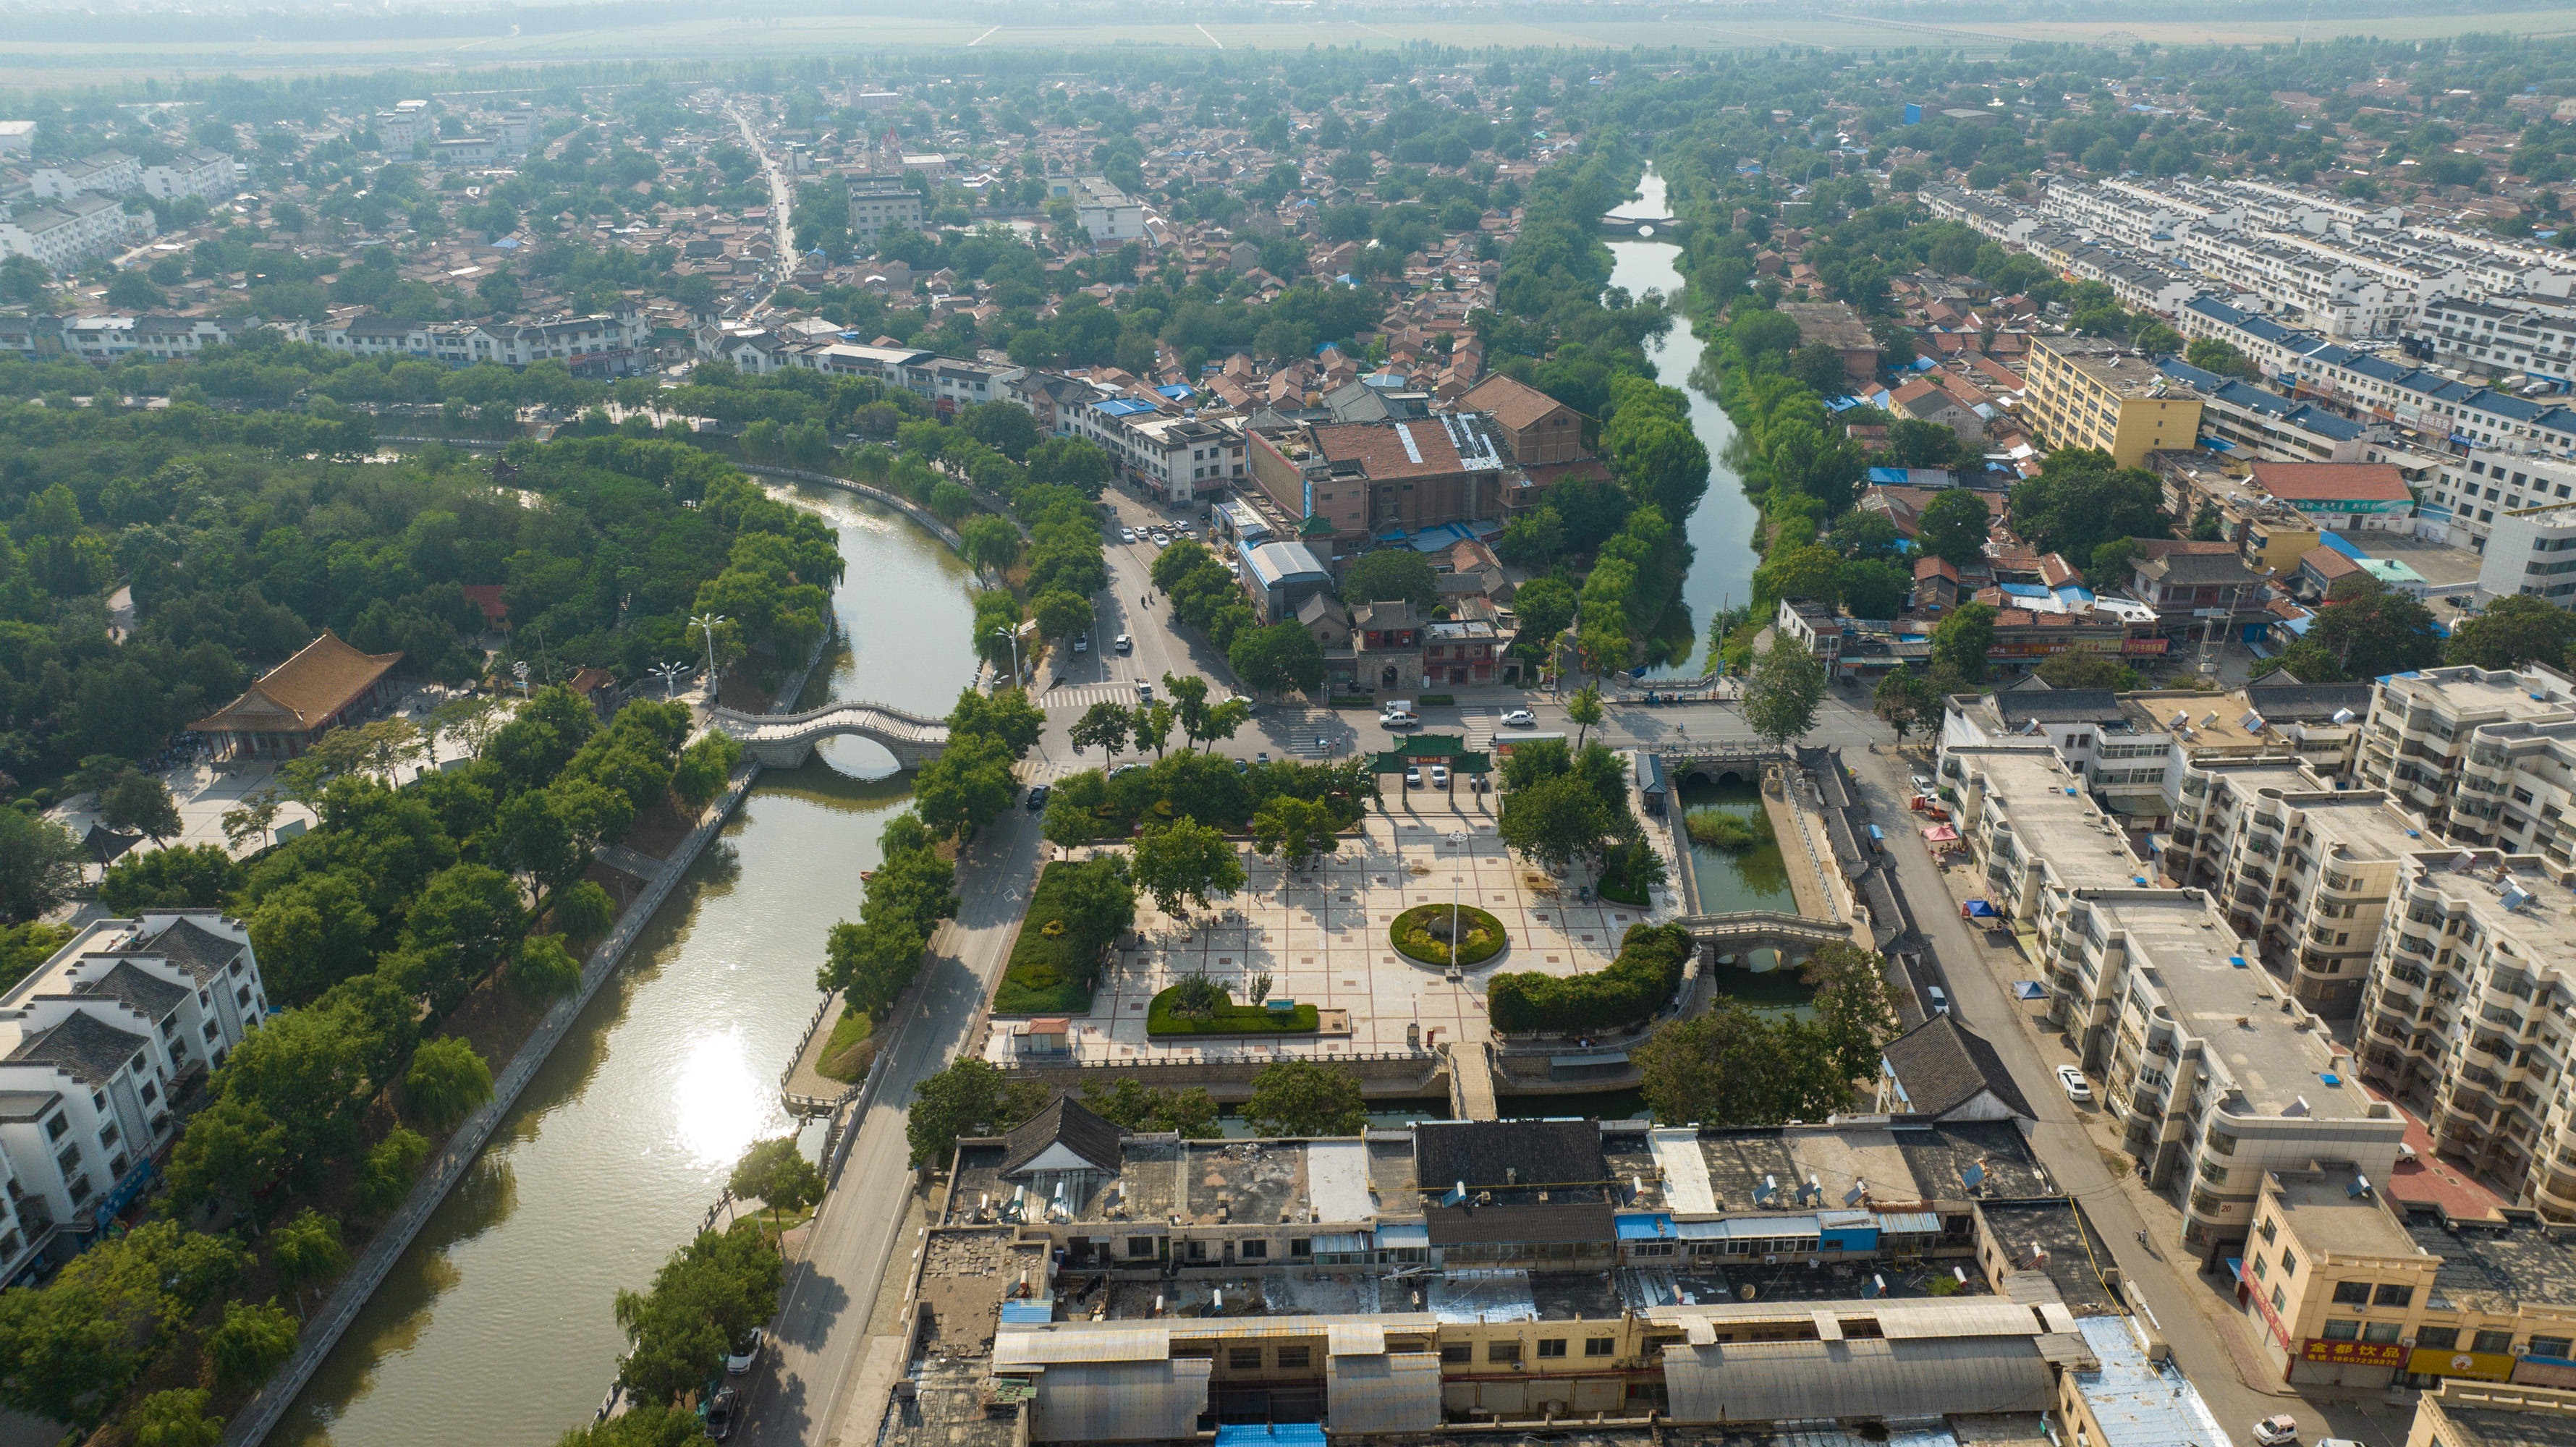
x=2476 y=1366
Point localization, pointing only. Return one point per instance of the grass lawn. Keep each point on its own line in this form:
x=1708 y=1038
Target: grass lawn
x=1049 y=974
x=846 y=1055
x=1230 y=1019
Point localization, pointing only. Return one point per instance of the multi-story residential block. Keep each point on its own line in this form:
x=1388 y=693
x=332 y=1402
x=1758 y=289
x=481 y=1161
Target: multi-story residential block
x=62 y=234
x=2265 y=424
x=2216 y=1073
x=1109 y=214
x=101 y=173
x=204 y=174
x=2529 y=335
x=607 y=345
x=1362 y=479
x=877 y=202
x=2085 y=392
x=2533 y=552
x=2445 y=742
x=92 y=1045
x=2466 y=1016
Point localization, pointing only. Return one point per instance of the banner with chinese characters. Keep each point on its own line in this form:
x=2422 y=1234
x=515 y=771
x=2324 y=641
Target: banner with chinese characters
x=2354 y=1353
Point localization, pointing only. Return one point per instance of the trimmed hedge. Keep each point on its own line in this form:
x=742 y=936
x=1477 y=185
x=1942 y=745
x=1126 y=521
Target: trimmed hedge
x=1411 y=936
x=1638 y=982
x=1229 y=1019
x=1048 y=974
x=1443 y=700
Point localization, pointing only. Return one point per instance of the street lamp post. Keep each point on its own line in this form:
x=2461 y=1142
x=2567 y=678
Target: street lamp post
x=669 y=673
x=520 y=668
x=706 y=623
x=1459 y=838
x=1014 y=637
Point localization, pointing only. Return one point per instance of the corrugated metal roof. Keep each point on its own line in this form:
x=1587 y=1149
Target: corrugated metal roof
x=1902 y=1318
x=1398 y=1393
x=1121 y=1401
x=1039 y=1346
x=1356 y=1339
x=1271 y=1434
x=1775 y=1381
x=2139 y=1403
x=1403 y=1233
x=1909 y=1223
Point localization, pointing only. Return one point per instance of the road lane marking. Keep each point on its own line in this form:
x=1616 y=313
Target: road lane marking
x=980 y=39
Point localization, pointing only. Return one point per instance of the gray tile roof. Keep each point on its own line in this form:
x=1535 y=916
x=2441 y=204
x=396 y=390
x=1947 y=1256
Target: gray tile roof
x=192 y=947
x=1066 y=1122
x=151 y=996
x=1943 y=1065
x=84 y=1047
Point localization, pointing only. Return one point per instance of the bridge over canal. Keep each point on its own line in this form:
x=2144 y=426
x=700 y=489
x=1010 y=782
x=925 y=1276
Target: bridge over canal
x=785 y=740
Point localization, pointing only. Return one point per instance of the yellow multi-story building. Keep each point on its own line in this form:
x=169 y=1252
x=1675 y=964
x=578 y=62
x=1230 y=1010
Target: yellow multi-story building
x=2086 y=392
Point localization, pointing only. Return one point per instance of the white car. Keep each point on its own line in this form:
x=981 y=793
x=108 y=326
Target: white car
x=1440 y=776
x=1081 y=644
x=1412 y=776
x=1158 y=540
x=2082 y=1094
x=1520 y=718
x=1145 y=693
x=1126 y=535
x=745 y=1351
x=2276 y=1431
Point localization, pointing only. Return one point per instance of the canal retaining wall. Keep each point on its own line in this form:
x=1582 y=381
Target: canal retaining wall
x=323 y=1331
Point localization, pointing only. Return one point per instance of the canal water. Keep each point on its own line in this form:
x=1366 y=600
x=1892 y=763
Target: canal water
x=1722 y=527
x=495 y=1328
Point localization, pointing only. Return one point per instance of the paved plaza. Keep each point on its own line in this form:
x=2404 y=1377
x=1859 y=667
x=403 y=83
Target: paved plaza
x=1322 y=937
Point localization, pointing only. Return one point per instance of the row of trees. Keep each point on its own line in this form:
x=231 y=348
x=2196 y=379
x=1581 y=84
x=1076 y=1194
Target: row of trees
x=974 y=1099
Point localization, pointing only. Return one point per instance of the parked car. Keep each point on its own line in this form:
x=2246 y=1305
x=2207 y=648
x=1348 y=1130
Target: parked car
x=1412 y=776
x=2073 y=1079
x=2276 y=1431
x=1926 y=784
x=1159 y=540
x=1126 y=535
x=1124 y=769
x=1261 y=758
x=1081 y=644
x=747 y=1350
x=720 y=1413
x=1038 y=799
x=1520 y=718
x=1440 y=776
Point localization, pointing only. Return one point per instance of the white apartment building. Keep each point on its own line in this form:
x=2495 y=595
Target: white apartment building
x=1990 y=216
x=101 y=173
x=608 y=344
x=63 y=234
x=2467 y=1017
x=877 y=202
x=1108 y=213
x=204 y=174
x=2469 y=749
x=91 y=1045
x=2532 y=335
x=2217 y=1075
x=2533 y=550
x=2140 y=280
x=2337 y=294
x=1175 y=458
x=947 y=383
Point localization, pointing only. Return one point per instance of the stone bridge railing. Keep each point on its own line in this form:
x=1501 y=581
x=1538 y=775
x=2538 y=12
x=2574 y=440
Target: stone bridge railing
x=1762 y=926
x=784 y=740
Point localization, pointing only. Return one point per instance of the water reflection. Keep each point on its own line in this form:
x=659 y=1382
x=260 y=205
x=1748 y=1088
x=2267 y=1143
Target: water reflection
x=1756 y=878
x=496 y=1327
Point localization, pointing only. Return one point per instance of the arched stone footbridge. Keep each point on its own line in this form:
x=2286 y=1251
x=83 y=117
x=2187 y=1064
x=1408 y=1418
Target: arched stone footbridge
x=1752 y=929
x=785 y=740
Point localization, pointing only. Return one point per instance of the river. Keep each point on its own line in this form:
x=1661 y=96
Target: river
x=496 y=1327
x=1722 y=526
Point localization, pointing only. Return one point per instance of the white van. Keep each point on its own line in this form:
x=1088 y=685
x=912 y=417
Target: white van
x=1940 y=1001
x=1397 y=713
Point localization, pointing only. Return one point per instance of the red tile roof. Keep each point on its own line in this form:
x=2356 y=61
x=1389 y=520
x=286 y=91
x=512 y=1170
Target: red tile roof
x=2332 y=481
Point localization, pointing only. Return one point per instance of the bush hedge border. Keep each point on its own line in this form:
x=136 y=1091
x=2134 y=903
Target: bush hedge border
x=1230 y=1019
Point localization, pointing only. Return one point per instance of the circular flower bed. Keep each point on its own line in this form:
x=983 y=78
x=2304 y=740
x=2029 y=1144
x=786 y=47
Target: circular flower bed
x=1422 y=933
x=1052 y=928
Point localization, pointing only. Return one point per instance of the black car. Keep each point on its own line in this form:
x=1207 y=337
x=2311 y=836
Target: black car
x=720 y=1414
x=1038 y=798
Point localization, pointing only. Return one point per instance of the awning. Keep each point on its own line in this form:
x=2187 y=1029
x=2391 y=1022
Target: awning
x=1944 y=834
x=1977 y=909
x=1355 y=1339
x=1340 y=1243
x=1023 y=1312
x=1404 y=1233
x=1909 y=1223
x=1645 y=1226
x=2029 y=990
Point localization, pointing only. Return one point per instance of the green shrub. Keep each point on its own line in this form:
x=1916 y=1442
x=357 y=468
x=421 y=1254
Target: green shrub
x=1637 y=983
x=1412 y=935
x=1050 y=974
x=1228 y=1018
x=1734 y=833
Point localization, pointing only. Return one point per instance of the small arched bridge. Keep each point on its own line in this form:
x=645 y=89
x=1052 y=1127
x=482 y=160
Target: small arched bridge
x=785 y=740
x=1742 y=930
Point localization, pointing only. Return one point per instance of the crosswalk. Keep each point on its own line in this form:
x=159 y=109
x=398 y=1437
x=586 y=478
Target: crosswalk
x=1077 y=698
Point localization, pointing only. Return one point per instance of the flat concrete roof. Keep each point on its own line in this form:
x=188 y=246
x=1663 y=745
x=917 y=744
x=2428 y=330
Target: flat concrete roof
x=2236 y=1012
x=2485 y=694
x=2054 y=818
x=2322 y=1211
